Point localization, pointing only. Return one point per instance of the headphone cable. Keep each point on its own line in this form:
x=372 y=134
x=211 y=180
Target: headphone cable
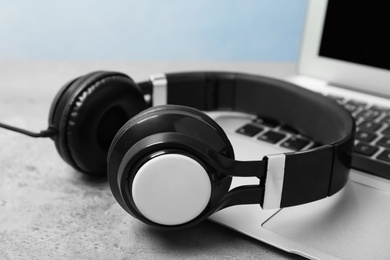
x=50 y=132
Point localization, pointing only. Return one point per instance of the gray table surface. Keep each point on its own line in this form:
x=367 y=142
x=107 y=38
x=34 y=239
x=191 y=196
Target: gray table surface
x=50 y=211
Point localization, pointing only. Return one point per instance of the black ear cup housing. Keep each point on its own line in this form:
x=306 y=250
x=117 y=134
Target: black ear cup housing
x=88 y=112
x=164 y=130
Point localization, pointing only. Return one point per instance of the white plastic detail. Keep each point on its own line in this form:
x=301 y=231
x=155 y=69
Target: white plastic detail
x=160 y=84
x=171 y=189
x=274 y=181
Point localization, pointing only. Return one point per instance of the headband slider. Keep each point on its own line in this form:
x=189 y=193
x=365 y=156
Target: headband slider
x=274 y=181
x=160 y=85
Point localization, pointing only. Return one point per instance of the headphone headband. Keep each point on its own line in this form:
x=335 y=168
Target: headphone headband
x=307 y=175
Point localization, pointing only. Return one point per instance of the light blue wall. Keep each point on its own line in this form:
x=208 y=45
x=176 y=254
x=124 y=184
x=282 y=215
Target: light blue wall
x=194 y=30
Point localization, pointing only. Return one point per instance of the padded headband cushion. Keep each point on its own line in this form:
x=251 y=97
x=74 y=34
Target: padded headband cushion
x=88 y=113
x=308 y=112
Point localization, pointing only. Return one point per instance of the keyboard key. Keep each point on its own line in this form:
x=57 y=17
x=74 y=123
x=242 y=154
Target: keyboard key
x=271 y=137
x=386 y=120
x=295 y=143
x=382 y=109
x=386 y=131
x=365 y=149
x=350 y=108
x=356 y=103
x=336 y=98
x=266 y=122
x=369 y=125
x=369 y=114
x=249 y=130
x=288 y=129
x=376 y=166
x=385 y=156
x=365 y=136
x=384 y=141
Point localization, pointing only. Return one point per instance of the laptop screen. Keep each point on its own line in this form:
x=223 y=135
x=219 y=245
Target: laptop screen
x=345 y=43
x=357 y=32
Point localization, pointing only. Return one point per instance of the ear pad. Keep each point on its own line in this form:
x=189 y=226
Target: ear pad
x=88 y=112
x=166 y=131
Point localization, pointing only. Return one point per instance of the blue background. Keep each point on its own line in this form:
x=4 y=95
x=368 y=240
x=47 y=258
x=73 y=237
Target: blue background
x=151 y=30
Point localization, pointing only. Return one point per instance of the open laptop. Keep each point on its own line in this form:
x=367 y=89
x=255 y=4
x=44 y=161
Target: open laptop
x=345 y=56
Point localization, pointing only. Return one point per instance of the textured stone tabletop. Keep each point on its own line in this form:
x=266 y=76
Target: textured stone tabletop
x=50 y=211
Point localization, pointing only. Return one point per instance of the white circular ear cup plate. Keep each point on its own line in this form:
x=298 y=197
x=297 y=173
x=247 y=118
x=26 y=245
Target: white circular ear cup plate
x=171 y=189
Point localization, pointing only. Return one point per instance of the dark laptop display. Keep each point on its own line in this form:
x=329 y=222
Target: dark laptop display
x=348 y=37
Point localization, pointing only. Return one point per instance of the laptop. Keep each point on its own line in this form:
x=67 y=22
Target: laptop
x=345 y=55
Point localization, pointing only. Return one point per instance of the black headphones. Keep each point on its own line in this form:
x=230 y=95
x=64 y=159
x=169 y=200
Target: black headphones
x=171 y=165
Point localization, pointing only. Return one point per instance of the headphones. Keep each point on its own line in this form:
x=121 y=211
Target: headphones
x=171 y=165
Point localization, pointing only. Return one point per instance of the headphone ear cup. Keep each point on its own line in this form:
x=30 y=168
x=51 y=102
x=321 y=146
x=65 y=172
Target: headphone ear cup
x=88 y=112
x=173 y=118
x=128 y=150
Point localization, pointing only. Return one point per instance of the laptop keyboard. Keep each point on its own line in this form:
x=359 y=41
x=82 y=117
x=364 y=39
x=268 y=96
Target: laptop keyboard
x=372 y=141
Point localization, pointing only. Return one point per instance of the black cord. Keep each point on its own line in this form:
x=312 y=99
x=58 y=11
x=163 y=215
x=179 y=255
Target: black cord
x=44 y=133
